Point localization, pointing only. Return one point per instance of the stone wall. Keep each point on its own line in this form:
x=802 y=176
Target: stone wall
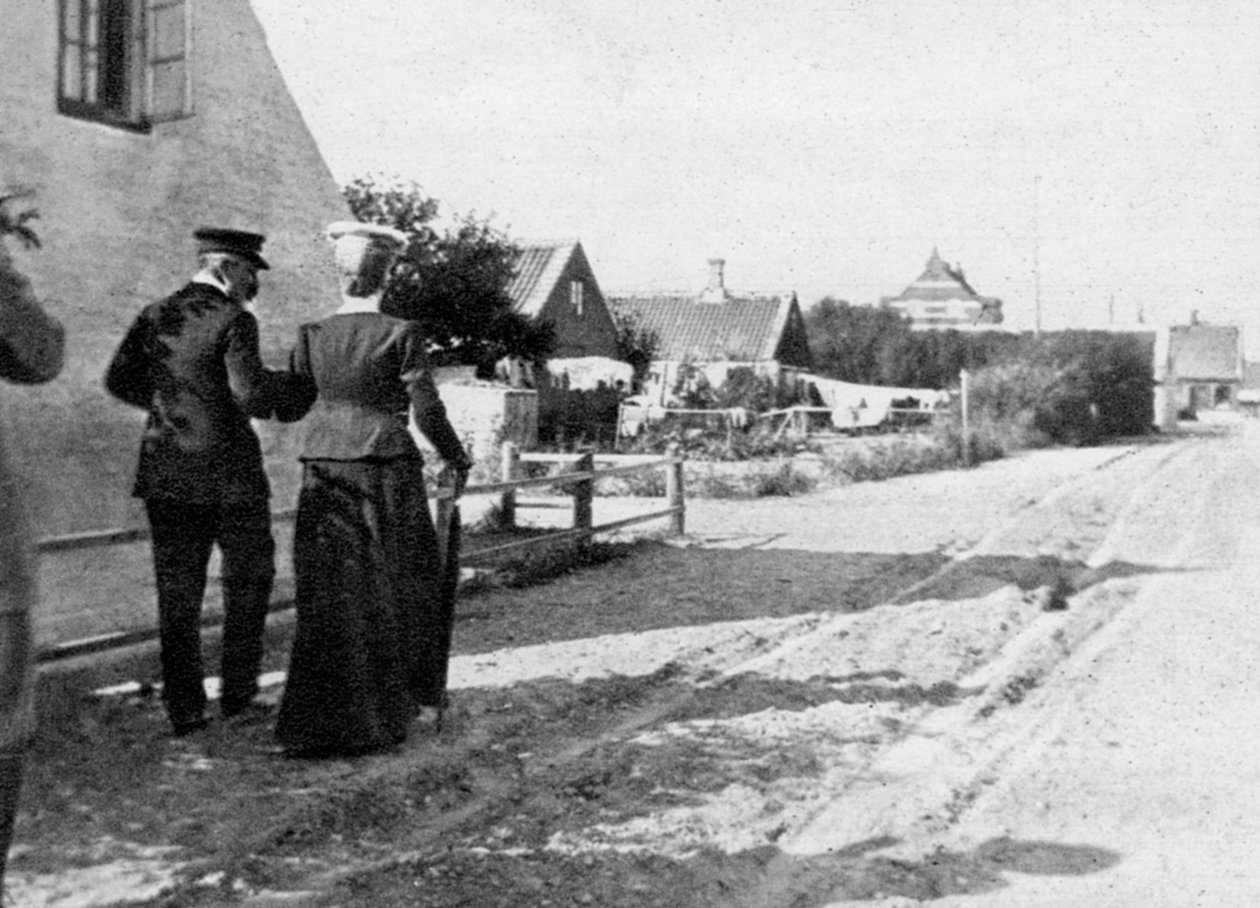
x=484 y=415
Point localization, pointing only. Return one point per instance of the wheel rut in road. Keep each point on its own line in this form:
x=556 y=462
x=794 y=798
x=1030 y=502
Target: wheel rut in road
x=1052 y=551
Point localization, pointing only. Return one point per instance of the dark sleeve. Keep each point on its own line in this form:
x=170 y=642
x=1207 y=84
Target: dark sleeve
x=426 y=405
x=296 y=391
x=251 y=384
x=128 y=377
x=32 y=342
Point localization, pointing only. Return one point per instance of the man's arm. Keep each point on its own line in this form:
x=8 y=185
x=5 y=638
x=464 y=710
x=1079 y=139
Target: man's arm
x=296 y=391
x=248 y=379
x=128 y=377
x=32 y=342
x=263 y=393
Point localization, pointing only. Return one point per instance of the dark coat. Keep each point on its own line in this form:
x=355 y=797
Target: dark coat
x=31 y=351
x=369 y=369
x=192 y=361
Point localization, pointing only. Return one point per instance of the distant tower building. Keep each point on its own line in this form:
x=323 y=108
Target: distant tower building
x=942 y=298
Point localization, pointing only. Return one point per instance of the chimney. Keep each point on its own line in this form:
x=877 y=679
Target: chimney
x=716 y=291
x=1194 y=316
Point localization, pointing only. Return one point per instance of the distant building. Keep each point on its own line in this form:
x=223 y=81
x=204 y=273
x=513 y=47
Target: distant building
x=941 y=298
x=553 y=282
x=1197 y=367
x=576 y=396
x=716 y=331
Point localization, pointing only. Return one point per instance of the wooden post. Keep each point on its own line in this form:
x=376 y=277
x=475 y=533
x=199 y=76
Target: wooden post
x=674 y=491
x=509 y=470
x=584 y=493
x=966 y=428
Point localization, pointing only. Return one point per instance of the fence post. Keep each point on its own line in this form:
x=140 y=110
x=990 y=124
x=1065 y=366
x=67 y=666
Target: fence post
x=509 y=470
x=584 y=493
x=964 y=378
x=674 y=491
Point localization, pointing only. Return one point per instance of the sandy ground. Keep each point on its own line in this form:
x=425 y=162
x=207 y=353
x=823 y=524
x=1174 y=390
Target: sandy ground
x=1025 y=684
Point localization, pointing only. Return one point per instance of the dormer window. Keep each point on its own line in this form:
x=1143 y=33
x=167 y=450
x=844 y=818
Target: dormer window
x=577 y=290
x=125 y=62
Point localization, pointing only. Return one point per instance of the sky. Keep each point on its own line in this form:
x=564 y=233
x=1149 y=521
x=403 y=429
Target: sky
x=1086 y=162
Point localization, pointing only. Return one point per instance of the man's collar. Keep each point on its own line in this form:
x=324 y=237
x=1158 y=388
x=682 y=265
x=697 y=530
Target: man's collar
x=204 y=277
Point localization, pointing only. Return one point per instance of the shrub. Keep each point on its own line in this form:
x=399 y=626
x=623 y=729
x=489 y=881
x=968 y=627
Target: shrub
x=782 y=479
x=745 y=388
x=894 y=455
x=702 y=437
x=1071 y=387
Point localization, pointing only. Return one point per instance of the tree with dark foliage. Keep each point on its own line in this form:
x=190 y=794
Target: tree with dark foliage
x=453 y=282
x=874 y=345
x=636 y=344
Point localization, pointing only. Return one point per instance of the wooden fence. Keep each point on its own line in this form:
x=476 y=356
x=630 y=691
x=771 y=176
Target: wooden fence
x=579 y=480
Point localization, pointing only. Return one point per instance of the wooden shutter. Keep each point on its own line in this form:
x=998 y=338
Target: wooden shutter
x=168 y=25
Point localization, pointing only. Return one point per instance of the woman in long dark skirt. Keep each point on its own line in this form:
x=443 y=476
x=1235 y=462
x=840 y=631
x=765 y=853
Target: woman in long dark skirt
x=371 y=644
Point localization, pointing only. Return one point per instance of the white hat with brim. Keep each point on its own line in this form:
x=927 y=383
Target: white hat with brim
x=371 y=233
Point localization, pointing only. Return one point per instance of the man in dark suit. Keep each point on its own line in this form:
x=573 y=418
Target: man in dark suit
x=192 y=361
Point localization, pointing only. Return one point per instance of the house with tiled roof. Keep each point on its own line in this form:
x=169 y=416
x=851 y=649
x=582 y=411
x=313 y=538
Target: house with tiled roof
x=1197 y=367
x=553 y=282
x=941 y=297
x=716 y=331
x=578 y=392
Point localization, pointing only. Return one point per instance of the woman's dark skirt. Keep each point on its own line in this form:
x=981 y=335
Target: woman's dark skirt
x=373 y=609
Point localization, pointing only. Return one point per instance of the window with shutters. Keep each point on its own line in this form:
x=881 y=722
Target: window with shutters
x=125 y=62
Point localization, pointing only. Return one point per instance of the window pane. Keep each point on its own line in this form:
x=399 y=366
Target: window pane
x=72 y=74
x=115 y=38
x=72 y=20
x=92 y=23
x=90 y=64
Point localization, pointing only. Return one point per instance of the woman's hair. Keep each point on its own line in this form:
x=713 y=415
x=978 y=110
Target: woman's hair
x=363 y=264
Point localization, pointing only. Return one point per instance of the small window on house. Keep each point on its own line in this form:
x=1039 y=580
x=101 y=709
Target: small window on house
x=125 y=62
x=576 y=291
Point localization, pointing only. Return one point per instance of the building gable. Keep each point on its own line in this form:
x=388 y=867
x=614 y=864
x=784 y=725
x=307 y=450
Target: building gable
x=1205 y=353
x=118 y=202
x=942 y=297
x=554 y=282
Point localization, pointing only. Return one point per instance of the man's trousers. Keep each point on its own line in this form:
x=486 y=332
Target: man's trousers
x=183 y=537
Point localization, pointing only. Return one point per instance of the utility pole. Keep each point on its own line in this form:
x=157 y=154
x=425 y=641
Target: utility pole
x=1036 y=256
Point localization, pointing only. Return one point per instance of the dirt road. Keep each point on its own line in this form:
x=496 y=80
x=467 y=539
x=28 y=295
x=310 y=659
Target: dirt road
x=1027 y=684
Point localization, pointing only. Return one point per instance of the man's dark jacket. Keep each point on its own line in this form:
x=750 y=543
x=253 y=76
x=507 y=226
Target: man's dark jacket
x=192 y=361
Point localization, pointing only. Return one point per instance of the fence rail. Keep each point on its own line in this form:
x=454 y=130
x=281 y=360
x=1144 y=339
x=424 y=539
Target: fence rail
x=579 y=482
